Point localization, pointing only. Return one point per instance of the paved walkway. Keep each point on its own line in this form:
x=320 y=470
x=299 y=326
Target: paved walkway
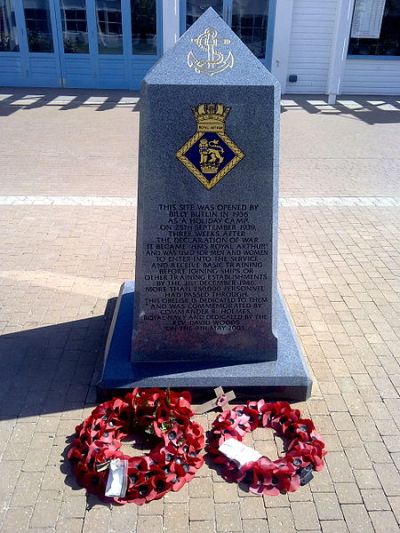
x=67 y=224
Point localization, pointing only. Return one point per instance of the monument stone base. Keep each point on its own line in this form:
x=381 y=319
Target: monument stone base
x=287 y=378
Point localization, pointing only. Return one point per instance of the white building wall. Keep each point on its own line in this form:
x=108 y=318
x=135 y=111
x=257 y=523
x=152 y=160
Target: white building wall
x=311 y=39
x=371 y=76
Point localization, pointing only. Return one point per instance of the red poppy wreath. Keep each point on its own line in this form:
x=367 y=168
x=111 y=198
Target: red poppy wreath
x=305 y=448
x=96 y=456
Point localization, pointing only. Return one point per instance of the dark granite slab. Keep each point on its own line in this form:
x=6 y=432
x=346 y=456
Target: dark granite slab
x=206 y=252
x=285 y=378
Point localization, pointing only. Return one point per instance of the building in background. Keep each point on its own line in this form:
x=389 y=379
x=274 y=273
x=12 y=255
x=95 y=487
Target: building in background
x=330 y=47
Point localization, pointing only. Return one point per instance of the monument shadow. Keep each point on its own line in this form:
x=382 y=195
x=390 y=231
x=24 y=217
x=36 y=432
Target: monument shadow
x=51 y=369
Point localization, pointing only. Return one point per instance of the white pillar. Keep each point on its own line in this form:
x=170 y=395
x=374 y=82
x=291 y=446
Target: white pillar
x=171 y=23
x=340 y=46
x=281 y=45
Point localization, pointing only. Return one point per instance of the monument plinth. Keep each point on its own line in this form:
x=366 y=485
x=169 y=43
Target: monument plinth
x=205 y=310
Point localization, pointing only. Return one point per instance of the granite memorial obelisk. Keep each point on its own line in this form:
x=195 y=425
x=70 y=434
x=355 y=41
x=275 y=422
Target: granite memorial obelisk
x=205 y=310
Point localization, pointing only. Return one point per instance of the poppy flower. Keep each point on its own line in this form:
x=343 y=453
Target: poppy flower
x=303 y=429
x=94 y=482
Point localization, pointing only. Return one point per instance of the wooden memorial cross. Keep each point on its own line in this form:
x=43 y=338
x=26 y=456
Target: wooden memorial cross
x=222 y=400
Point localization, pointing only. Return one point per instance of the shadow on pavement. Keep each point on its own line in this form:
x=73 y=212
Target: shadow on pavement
x=51 y=369
x=14 y=99
x=369 y=109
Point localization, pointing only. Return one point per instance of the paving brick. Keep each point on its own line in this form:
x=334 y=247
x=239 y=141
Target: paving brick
x=47 y=509
x=305 y=515
x=395 y=505
x=181 y=496
x=367 y=479
x=322 y=482
x=201 y=509
x=387 y=427
x=332 y=443
x=255 y=526
x=202 y=527
x=378 y=411
x=252 y=508
x=350 y=439
x=366 y=428
x=392 y=443
x=343 y=421
x=53 y=477
x=176 y=517
x=73 y=506
x=150 y=524
x=334 y=526
x=357 y=518
x=17 y=519
x=375 y=500
x=97 y=519
x=358 y=458
x=228 y=517
x=155 y=507
x=384 y=522
x=200 y=487
x=377 y=452
x=272 y=502
x=302 y=495
x=339 y=467
x=27 y=489
x=280 y=520
x=328 y=507
x=226 y=492
x=69 y=525
x=123 y=518
x=389 y=478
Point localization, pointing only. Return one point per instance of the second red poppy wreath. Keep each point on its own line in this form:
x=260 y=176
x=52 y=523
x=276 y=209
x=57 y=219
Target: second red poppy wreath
x=167 y=467
x=305 y=447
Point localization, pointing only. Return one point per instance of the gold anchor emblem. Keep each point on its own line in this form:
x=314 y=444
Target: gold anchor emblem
x=216 y=62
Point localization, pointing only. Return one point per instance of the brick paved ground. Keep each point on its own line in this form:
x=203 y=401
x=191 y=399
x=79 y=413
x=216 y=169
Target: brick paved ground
x=59 y=266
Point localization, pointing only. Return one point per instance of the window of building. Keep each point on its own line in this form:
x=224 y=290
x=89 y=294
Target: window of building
x=109 y=26
x=8 y=30
x=247 y=18
x=375 y=28
x=74 y=26
x=38 y=25
x=195 y=8
x=249 y=22
x=144 y=27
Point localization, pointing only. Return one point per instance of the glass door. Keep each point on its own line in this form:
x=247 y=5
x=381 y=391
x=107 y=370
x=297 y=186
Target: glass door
x=42 y=65
x=111 y=49
x=76 y=43
x=251 y=20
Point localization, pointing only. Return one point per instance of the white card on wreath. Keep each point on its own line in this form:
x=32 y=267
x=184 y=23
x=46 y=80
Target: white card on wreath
x=238 y=452
x=117 y=480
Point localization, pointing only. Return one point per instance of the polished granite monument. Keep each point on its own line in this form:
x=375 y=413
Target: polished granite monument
x=205 y=310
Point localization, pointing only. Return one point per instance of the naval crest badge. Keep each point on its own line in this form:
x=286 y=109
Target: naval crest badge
x=210 y=154
x=214 y=61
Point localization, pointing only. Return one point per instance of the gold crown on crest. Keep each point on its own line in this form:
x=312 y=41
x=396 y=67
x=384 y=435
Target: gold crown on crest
x=211 y=117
